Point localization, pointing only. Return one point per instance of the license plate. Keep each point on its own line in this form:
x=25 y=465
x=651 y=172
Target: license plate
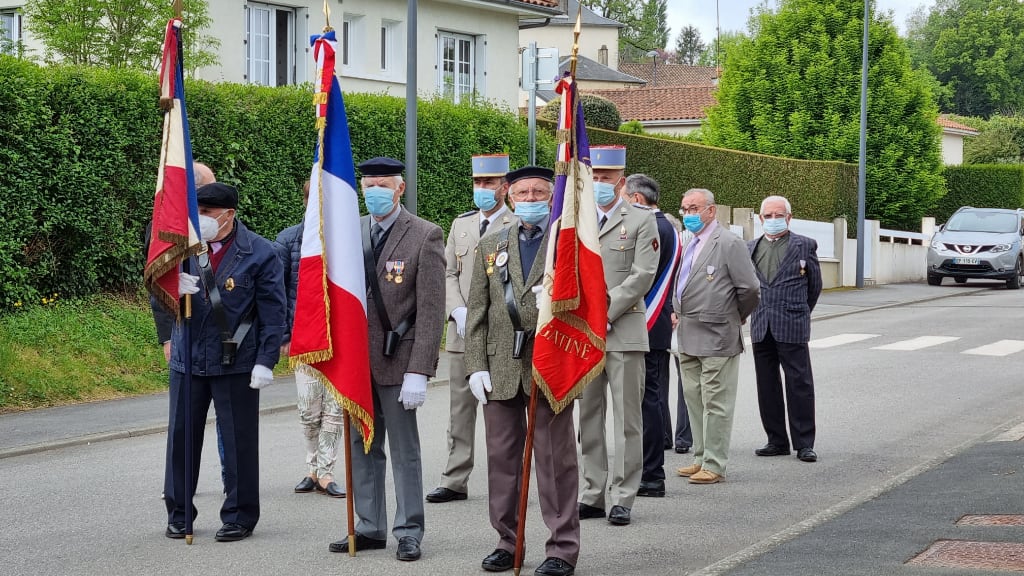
x=966 y=261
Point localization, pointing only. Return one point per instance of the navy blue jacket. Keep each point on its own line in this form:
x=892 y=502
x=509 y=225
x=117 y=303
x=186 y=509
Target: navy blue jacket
x=290 y=240
x=660 y=335
x=787 y=301
x=253 y=266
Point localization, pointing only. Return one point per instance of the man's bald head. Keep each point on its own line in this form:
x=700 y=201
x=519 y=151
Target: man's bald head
x=203 y=174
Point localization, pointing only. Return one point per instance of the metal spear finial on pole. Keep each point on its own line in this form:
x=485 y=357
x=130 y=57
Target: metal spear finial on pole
x=576 y=42
x=327 y=17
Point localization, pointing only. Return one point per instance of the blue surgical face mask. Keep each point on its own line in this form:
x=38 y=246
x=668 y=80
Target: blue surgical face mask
x=604 y=193
x=774 y=226
x=484 y=199
x=693 y=223
x=380 y=201
x=533 y=213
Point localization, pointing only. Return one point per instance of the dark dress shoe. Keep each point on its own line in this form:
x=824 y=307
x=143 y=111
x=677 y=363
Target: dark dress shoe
x=498 y=561
x=555 y=567
x=408 y=549
x=175 y=530
x=441 y=494
x=807 y=455
x=231 y=532
x=588 y=511
x=652 y=489
x=682 y=449
x=362 y=543
x=618 y=515
x=307 y=485
x=333 y=490
x=772 y=450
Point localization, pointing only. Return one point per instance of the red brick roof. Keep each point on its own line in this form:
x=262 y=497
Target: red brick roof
x=670 y=74
x=661 y=103
x=954 y=125
x=544 y=3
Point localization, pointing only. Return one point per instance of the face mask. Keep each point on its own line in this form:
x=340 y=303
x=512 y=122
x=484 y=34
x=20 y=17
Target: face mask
x=604 y=193
x=484 y=199
x=775 y=226
x=379 y=201
x=533 y=213
x=208 y=228
x=693 y=223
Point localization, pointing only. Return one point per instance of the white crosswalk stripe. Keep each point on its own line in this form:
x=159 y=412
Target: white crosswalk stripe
x=917 y=343
x=839 y=340
x=1000 y=348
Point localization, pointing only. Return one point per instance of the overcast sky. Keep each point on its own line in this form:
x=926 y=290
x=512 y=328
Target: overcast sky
x=734 y=14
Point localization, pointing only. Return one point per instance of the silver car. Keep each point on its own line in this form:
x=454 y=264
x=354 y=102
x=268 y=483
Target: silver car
x=978 y=243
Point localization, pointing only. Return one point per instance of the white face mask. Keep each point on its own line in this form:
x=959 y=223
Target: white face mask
x=208 y=228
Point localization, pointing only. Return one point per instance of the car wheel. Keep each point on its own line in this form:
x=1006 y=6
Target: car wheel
x=959 y=280
x=934 y=280
x=1014 y=283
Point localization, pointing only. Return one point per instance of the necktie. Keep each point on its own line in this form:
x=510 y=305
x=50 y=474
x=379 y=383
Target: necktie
x=684 y=272
x=604 y=219
x=376 y=232
x=483 y=226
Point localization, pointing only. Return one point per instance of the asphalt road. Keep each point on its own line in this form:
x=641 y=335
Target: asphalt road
x=884 y=416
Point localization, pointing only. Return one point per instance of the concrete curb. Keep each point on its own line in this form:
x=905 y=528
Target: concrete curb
x=139 y=431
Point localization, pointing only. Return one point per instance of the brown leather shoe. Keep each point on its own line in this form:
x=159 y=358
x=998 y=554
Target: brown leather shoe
x=706 y=477
x=688 y=470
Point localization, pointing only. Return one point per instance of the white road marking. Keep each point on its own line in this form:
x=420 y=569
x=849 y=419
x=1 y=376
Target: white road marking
x=1012 y=435
x=1000 y=348
x=917 y=343
x=839 y=340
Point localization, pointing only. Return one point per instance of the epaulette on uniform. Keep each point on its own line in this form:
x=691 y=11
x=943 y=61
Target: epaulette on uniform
x=470 y=213
x=642 y=207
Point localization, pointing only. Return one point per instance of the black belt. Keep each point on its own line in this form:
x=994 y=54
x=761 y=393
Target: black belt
x=520 y=336
x=228 y=342
x=391 y=337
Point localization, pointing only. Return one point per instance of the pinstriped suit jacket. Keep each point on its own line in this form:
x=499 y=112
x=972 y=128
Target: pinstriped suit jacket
x=787 y=301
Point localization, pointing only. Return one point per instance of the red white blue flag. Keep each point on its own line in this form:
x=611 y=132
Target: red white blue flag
x=174 y=235
x=330 y=337
x=569 y=350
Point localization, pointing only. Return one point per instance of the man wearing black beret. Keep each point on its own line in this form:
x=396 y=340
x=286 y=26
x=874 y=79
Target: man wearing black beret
x=238 y=315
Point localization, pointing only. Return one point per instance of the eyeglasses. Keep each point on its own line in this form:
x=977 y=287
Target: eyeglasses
x=536 y=193
x=693 y=210
x=774 y=216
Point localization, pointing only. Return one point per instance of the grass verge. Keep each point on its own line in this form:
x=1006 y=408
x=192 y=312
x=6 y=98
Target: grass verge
x=75 y=351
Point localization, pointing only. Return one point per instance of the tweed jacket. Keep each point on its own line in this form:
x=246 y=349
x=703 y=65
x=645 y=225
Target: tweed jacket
x=459 y=255
x=629 y=253
x=787 y=301
x=417 y=244
x=489 y=332
x=721 y=291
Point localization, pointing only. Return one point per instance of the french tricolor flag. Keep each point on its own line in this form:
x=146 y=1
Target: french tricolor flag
x=330 y=336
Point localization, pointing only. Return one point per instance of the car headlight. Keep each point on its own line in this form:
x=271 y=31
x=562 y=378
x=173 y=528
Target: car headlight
x=936 y=245
x=1001 y=247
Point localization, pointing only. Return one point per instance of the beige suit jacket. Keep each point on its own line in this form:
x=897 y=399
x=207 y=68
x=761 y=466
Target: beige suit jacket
x=418 y=245
x=629 y=253
x=720 y=293
x=459 y=255
x=489 y=332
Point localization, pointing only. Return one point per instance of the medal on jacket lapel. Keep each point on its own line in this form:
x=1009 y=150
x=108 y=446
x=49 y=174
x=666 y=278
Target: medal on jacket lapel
x=711 y=273
x=399 y=270
x=229 y=284
x=803 y=267
x=490 y=263
x=389 y=266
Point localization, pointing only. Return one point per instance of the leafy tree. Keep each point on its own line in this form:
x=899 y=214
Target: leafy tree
x=727 y=40
x=793 y=89
x=689 y=46
x=973 y=48
x=1000 y=140
x=646 y=24
x=599 y=112
x=117 y=33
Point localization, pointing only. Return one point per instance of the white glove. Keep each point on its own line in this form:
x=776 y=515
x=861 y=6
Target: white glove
x=538 y=291
x=480 y=385
x=459 y=315
x=187 y=283
x=261 y=377
x=414 y=390
x=609 y=328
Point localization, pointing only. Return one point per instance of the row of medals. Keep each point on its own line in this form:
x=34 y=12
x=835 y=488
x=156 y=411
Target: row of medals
x=396 y=266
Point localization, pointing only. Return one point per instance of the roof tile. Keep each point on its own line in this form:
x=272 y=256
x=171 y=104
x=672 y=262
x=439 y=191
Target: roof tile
x=661 y=103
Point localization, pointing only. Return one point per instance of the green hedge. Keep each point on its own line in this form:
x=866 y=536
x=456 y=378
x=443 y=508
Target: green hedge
x=79 y=149
x=981 y=186
x=817 y=190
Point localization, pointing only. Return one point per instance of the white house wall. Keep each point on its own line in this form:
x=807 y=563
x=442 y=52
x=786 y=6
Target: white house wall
x=591 y=40
x=952 y=149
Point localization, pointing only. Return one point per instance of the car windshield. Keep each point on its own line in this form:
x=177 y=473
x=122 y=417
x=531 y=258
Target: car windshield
x=982 y=222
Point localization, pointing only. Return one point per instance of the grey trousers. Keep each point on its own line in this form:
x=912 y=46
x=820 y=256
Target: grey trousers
x=461 y=426
x=392 y=421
